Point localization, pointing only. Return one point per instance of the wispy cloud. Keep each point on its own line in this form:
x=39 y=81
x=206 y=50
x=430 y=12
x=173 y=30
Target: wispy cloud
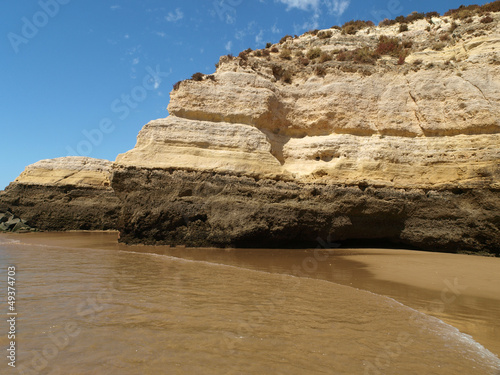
x=175 y=16
x=336 y=7
x=259 y=37
x=115 y=7
x=318 y=8
x=228 y=46
x=301 y=4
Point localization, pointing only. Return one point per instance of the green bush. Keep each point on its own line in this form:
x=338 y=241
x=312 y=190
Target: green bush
x=269 y=45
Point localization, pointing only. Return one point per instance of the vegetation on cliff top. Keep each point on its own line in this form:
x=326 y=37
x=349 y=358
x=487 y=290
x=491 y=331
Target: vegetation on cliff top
x=396 y=47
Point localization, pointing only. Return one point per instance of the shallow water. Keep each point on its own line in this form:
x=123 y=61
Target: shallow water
x=108 y=311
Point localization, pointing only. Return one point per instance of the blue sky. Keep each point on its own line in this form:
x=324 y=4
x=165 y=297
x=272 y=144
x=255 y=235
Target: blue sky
x=82 y=77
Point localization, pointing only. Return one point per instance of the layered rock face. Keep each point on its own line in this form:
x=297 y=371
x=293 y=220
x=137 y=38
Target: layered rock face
x=279 y=151
x=68 y=193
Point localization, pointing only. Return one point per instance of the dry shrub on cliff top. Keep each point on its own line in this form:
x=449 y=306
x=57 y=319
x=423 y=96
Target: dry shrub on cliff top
x=415 y=16
x=286 y=54
x=363 y=55
x=387 y=22
x=320 y=71
x=352 y=27
x=388 y=46
x=287 y=76
x=325 y=34
x=177 y=85
x=243 y=55
x=432 y=15
x=285 y=38
x=197 y=77
x=311 y=32
x=304 y=61
x=313 y=53
x=491 y=7
x=464 y=12
x=487 y=19
x=324 y=57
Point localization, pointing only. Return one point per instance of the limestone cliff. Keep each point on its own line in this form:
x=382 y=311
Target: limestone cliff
x=380 y=135
x=66 y=193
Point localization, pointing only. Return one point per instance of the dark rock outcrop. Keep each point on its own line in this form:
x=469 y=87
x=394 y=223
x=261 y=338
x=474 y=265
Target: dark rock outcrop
x=210 y=209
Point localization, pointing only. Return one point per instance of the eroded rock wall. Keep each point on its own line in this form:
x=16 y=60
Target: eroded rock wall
x=69 y=193
x=274 y=150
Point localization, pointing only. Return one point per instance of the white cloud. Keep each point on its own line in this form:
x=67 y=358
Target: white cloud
x=135 y=61
x=174 y=17
x=337 y=7
x=115 y=7
x=275 y=29
x=228 y=46
x=259 y=37
x=161 y=34
x=301 y=4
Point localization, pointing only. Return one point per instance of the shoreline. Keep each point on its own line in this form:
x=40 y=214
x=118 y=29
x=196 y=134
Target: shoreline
x=461 y=290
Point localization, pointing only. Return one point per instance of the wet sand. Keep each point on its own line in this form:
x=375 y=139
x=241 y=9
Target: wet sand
x=461 y=290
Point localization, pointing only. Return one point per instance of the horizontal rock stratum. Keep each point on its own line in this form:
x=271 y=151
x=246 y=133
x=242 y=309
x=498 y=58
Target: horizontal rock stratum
x=284 y=148
x=67 y=193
